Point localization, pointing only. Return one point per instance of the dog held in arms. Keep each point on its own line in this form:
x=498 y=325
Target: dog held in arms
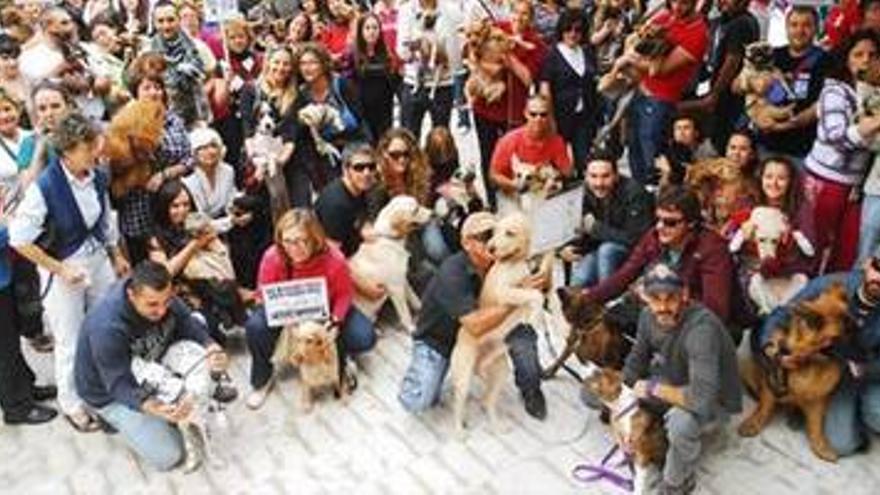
x=486 y=354
x=637 y=431
x=384 y=259
x=813 y=327
x=310 y=347
x=267 y=154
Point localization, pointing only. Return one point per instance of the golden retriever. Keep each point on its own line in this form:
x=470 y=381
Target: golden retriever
x=384 y=260
x=485 y=354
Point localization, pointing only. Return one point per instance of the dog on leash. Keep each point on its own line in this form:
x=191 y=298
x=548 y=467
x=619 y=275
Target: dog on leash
x=311 y=348
x=182 y=374
x=384 y=260
x=267 y=153
x=591 y=338
x=485 y=354
x=814 y=326
x=768 y=233
x=638 y=432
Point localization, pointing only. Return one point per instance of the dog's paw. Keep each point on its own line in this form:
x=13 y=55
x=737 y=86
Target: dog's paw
x=824 y=451
x=749 y=427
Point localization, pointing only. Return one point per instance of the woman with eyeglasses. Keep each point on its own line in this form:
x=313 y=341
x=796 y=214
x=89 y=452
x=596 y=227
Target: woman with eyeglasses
x=319 y=144
x=567 y=80
x=301 y=250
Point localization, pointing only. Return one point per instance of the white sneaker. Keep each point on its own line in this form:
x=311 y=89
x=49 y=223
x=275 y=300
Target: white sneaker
x=257 y=397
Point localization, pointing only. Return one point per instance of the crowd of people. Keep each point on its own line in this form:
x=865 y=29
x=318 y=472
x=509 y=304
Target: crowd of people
x=277 y=143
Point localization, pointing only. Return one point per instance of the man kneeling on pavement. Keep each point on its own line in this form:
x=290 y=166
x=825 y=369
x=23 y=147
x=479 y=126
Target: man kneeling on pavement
x=449 y=303
x=684 y=363
x=139 y=322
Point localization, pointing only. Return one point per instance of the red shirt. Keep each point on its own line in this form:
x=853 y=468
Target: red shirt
x=334 y=37
x=692 y=35
x=509 y=108
x=330 y=265
x=550 y=149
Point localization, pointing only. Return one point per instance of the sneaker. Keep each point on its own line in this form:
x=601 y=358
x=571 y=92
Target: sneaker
x=685 y=488
x=535 y=404
x=42 y=343
x=258 y=396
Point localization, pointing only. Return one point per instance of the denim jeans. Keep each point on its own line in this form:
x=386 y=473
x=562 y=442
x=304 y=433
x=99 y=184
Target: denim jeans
x=415 y=104
x=423 y=381
x=434 y=243
x=424 y=377
x=598 y=265
x=357 y=336
x=853 y=410
x=152 y=438
x=648 y=125
x=684 y=429
x=869 y=231
x=488 y=134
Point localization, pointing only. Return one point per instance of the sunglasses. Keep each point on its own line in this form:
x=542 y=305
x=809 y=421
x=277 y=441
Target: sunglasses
x=397 y=155
x=875 y=264
x=483 y=237
x=669 y=222
x=542 y=115
x=362 y=167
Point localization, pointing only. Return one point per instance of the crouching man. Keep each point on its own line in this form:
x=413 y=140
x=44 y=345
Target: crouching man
x=685 y=361
x=137 y=324
x=449 y=303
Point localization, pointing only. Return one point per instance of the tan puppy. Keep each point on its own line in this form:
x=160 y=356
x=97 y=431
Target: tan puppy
x=311 y=348
x=384 y=259
x=485 y=354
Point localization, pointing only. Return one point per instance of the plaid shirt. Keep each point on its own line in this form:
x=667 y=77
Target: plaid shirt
x=135 y=208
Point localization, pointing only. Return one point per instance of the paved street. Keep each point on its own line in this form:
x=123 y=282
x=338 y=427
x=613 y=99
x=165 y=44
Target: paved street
x=372 y=446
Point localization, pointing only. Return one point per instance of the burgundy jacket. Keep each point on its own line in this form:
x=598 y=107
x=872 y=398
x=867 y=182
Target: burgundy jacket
x=706 y=267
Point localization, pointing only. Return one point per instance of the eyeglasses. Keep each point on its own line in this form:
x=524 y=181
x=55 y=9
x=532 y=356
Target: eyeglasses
x=669 y=222
x=363 y=167
x=536 y=115
x=398 y=154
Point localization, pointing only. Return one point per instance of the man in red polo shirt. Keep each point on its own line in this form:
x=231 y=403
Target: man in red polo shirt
x=533 y=143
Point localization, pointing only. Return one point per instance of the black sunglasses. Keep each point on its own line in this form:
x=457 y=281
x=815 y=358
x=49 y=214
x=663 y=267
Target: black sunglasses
x=670 y=222
x=538 y=114
x=875 y=264
x=363 y=166
x=397 y=155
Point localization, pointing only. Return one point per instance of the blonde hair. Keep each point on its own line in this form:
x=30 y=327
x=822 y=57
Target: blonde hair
x=238 y=26
x=305 y=220
x=288 y=93
x=417 y=179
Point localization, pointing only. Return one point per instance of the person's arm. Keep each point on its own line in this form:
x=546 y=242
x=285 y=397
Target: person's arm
x=112 y=358
x=500 y=166
x=482 y=320
x=620 y=280
x=340 y=290
x=187 y=327
x=839 y=124
x=638 y=361
x=716 y=279
x=703 y=347
x=519 y=69
x=726 y=74
x=677 y=59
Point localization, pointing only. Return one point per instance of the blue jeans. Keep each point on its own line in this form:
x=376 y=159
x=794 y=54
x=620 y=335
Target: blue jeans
x=854 y=408
x=414 y=106
x=357 y=336
x=153 y=438
x=648 y=126
x=598 y=265
x=869 y=231
x=423 y=380
x=424 y=377
x=434 y=242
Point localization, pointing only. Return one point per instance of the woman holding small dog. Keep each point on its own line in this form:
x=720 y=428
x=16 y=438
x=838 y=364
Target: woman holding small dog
x=301 y=250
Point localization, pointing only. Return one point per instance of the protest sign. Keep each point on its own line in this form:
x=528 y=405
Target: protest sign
x=295 y=301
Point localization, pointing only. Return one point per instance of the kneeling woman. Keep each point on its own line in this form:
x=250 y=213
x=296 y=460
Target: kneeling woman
x=300 y=251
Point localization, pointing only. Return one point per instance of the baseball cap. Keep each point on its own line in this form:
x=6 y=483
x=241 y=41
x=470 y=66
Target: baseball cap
x=660 y=277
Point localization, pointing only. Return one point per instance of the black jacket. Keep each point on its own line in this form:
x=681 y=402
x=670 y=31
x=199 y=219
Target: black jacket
x=622 y=218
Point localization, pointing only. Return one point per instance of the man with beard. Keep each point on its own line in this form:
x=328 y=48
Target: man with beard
x=683 y=363
x=46 y=57
x=855 y=405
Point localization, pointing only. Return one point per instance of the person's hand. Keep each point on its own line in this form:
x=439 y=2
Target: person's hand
x=182 y=409
x=569 y=254
x=642 y=389
x=539 y=281
x=242 y=219
x=155 y=182
x=206 y=237
x=121 y=265
x=217 y=358
x=373 y=291
x=868 y=126
x=588 y=223
x=73 y=275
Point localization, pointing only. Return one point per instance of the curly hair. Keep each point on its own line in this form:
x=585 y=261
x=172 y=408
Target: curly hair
x=74 y=128
x=417 y=179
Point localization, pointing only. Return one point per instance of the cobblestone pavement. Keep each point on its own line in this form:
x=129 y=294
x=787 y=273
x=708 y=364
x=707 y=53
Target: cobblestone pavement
x=372 y=446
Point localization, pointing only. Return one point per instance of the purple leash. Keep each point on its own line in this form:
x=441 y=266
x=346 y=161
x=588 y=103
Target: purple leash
x=589 y=473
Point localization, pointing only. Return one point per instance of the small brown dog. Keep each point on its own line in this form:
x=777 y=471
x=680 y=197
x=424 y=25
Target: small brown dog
x=755 y=80
x=591 y=339
x=134 y=134
x=311 y=347
x=813 y=327
x=638 y=431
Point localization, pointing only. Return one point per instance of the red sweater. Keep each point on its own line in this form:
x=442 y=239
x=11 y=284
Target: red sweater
x=706 y=267
x=330 y=264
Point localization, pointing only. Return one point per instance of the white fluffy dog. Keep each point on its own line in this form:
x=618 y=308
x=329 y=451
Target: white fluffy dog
x=485 y=354
x=769 y=230
x=384 y=259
